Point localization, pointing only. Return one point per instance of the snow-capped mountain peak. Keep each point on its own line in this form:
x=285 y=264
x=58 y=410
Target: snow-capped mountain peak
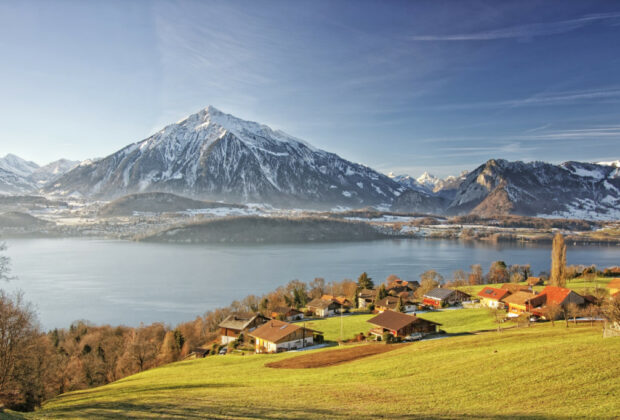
x=17 y=165
x=211 y=154
x=428 y=180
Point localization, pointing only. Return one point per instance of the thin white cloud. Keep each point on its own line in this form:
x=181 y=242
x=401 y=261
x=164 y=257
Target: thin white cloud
x=524 y=31
x=543 y=99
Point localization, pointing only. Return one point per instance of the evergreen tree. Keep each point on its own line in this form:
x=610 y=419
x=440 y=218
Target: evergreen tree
x=365 y=282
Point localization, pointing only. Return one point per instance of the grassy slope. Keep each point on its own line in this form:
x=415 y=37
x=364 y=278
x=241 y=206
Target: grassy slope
x=577 y=284
x=453 y=321
x=528 y=372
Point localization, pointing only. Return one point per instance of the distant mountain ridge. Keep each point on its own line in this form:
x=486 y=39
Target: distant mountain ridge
x=19 y=176
x=215 y=156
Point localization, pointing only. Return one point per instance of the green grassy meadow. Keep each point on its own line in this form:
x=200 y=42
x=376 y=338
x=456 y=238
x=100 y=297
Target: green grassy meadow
x=453 y=321
x=536 y=372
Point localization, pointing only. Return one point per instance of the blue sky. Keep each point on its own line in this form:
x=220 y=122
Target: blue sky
x=399 y=86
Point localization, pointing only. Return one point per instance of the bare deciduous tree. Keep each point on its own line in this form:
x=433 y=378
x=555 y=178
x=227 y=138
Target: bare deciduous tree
x=558 y=261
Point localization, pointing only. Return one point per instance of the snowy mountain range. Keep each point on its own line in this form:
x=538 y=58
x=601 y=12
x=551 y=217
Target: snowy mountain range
x=19 y=176
x=216 y=156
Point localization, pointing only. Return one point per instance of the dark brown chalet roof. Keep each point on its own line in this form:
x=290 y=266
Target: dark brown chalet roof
x=396 y=320
x=367 y=293
x=392 y=301
x=441 y=293
x=239 y=321
x=493 y=293
x=320 y=303
x=286 y=310
x=513 y=287
x=519 y=298
x=274 y=330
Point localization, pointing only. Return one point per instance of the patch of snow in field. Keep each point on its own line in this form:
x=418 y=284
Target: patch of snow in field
x=347 y=193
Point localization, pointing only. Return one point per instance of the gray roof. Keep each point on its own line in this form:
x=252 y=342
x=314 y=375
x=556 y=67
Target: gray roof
x=439 y=293
x=320 y=303
x=238 y=321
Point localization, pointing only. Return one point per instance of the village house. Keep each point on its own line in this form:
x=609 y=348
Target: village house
x=441 y=297
x=613 y=286
x=400 y=325
x=323 y=308
x=534 y=281
x=493 y=297
x=391 y=303
x=365 y=297
x=287 y=313
x=340 y=300
x=514 y=287
x=552 y=295
x=519 y=303
x=399 y=286
x=235 y=324
x=275 y=336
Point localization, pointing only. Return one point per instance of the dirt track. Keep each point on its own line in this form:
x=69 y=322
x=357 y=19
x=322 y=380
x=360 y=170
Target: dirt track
x=332 y=357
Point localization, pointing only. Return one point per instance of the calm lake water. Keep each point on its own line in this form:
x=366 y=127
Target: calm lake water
x=119 y=282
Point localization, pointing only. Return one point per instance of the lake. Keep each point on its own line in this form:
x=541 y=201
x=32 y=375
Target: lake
x=121 y=282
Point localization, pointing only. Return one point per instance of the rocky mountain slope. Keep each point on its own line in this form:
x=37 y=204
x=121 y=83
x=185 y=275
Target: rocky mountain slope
x=220 y=157
x=19 y=176
x=572 y=189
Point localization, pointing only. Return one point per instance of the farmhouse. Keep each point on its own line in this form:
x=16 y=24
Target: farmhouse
x=534 y=281
x=440 y=297
x=614 y=286
x=400 y=325
x=519 y=303
x=391 y=303
x=276 y=336
x=399 y=286
x=323 y=308
x=365 y=297
x=514 y=288
x=286 y=313
x=552 y=295
x=235 y=324
x=492 y=297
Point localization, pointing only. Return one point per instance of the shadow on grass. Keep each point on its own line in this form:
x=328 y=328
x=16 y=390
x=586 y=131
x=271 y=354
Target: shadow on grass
x=111 y=410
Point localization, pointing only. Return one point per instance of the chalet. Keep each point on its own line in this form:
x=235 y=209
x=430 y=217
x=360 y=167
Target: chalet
x=197 y=353
x=519 y=303
x=441 y=297
x=340 y=300
x=493 y=297
x=534 y=281
x=323 y=308
x=275 y=336
x=235 y=324
x=365 y=297
x=400 y=325
x=614 y=286
x=399 y=286
x=514 y=287
x=286 y=313
x=391 y=303
x=552 y=295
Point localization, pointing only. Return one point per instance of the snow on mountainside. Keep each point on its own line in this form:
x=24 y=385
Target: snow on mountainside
x=572 y=189
x=215 y=155
x=17 y=165
x=52 y=171
x=428 y=183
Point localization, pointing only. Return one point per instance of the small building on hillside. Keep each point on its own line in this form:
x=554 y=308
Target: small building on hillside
x=552 y=295
x=365 y=297
x=399 y=286
x=492 y=297
x=613 y=286
x=519 y=303
x=287 y=313
x=441 y=297
x=514 y=287
x=235 y=324
x=276 y=336
x=391 y=303
x=400 y=325
x=534 y=281
x=323 y=308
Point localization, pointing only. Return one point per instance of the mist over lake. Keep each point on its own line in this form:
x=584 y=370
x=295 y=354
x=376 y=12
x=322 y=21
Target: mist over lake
x=121 y=282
